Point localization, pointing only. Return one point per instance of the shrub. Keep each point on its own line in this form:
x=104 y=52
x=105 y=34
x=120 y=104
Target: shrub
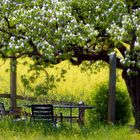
x=122 y=105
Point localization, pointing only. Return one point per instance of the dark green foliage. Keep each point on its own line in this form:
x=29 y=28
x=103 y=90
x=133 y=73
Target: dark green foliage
x=122 y=106
x=40 y=89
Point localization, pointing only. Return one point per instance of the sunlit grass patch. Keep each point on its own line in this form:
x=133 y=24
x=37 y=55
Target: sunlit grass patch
x=17 y=131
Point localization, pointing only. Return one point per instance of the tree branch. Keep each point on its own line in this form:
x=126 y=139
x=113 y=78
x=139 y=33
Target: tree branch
x=12 y=34
x=30 y=42
x=8 y=23
x=35 y=51
x=103 y=55
x=122 y=50
x=17 y=56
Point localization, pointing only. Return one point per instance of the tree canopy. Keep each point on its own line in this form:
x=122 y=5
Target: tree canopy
x=51 y=31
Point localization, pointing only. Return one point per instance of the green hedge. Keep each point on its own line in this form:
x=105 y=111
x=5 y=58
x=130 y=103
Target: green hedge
x=122 y=105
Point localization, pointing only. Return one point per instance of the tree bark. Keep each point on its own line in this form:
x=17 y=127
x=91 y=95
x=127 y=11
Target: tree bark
x=13 y=83
x=133 y=86
x=112 y=88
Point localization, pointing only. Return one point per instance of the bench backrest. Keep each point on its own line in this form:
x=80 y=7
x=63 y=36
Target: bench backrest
x=42 y=112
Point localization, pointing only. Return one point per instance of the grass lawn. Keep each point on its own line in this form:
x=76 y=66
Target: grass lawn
x=20 y=131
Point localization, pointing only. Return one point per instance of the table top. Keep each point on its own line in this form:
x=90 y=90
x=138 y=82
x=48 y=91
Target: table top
x=73 y=106
x=69 y=106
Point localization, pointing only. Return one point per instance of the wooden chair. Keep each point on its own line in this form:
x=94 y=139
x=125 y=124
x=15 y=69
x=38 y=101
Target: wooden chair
x=3 y=112
x=15 y=114
x=44 y=112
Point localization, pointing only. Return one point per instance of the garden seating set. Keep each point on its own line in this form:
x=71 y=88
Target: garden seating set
x=45 y=113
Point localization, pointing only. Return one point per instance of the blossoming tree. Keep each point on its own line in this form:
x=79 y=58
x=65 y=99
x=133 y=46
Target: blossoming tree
x=50 y=31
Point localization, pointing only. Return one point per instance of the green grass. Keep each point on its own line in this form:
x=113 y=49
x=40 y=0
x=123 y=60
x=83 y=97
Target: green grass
x=18 y=130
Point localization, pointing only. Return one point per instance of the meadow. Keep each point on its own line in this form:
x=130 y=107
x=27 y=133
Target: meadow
x=76 y=85
x=17 y=131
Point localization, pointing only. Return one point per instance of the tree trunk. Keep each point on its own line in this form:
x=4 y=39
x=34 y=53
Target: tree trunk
x=112 y=88
x=13 y=83
x=133 y=86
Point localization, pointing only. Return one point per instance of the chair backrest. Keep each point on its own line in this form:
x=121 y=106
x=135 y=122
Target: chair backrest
x=2 y=109
x=42 y=112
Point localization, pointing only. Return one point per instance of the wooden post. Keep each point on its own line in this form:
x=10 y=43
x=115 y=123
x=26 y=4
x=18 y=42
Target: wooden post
x=112 y=88
x=13 y=83
x=81 y=113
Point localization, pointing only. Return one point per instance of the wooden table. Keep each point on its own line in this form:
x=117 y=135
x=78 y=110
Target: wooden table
x=81 y=111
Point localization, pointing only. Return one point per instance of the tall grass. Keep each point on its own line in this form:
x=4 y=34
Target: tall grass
x=22 y=131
